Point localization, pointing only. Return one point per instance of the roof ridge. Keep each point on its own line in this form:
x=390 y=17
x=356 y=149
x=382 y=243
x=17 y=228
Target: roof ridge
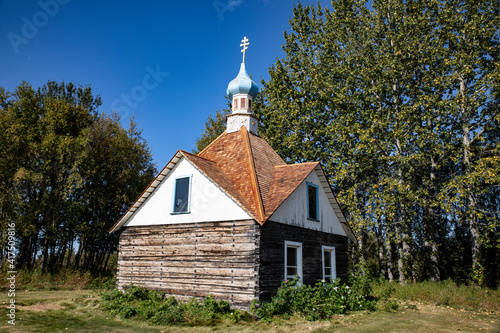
x=253 y=176
x=267 y=143
x=303 y=163
x=186 y=152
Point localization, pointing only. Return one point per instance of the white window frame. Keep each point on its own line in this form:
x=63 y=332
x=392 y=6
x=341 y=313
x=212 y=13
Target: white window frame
x=188 y=211
x=298 y=247
x=316 y=187
x=330 y=249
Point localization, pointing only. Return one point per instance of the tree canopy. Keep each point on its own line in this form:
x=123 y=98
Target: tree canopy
x=67 y=173
x=401 y=105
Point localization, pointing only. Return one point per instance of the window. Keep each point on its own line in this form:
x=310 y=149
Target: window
x=181 y=195
x=293 y=260
x=235 y=104
x=243 y=102
x=329 y=268
x=312 y=202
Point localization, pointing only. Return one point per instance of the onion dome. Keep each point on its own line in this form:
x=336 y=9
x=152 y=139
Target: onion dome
x=242 y=84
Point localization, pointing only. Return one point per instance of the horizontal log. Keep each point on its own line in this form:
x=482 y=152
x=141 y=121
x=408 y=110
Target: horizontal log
x=159 y=241
x=156 y=265
x=181 y=227
x=208 y=286
x=184 y=252
x=241 y=272
x=208 y=282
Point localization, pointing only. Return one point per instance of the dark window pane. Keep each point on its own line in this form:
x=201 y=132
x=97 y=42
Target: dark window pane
x=328 y=272
x=291 y=256
x=328 y=259
x=312 y=197
x=291 y=271
x=181 y=195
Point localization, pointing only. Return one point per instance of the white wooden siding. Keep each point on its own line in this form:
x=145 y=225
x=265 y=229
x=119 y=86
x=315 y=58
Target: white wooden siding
x=208 y=202
x=293 y=210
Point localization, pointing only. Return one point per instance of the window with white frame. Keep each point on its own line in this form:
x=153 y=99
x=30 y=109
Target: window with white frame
x=312 y=202
x=328 y=259
x=182 y=195
x=293 y=260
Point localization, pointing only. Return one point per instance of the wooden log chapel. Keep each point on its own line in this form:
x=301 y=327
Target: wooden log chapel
x=233 y=221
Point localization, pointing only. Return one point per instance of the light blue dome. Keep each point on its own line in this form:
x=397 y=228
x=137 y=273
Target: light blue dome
x=242 y=84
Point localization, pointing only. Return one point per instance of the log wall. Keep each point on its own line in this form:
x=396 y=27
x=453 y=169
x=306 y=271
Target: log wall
x=192 y=260
x=237 y=261
x=272 y=255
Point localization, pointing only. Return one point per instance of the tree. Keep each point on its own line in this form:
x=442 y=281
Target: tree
x=400 y=104
x=58 y=176
x=214 y=126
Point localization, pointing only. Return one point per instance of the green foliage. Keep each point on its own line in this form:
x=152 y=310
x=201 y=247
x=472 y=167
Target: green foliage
x=214 y=126
x=106 y=282
x=443 y=293
x=64 y=279
x=400 y=105
x=314 y=302
x=391 y=305
x=140 y=303
x=67 y=173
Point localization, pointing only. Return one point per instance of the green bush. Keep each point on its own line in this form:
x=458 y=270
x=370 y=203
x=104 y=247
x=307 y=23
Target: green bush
x=169 y=315
x=103 y=283
x=316 y=302
x=138 y=302
x=127 y=311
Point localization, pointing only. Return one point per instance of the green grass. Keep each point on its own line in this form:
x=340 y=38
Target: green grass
x=79 y=311
x=65 y=279
x=424 y=307
x=445 y=293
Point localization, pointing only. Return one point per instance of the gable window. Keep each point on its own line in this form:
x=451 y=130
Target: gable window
x=181 y=195
x=293 y=260
x=329 y=268
x=312 y=202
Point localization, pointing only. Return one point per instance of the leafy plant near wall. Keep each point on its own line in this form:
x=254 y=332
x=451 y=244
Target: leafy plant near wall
x=316 y=302
x=140 y=303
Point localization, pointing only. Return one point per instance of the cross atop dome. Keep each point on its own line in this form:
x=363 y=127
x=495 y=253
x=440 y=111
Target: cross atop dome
x=241 y=91
x=244 y=44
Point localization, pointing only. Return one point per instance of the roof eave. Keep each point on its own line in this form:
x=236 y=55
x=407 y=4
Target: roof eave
x=333 y=201
x=147 y=192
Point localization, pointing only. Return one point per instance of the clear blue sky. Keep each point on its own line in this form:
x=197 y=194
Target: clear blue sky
x=173 y=59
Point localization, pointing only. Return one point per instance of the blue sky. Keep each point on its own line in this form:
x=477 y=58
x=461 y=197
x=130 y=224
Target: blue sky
x=167 y=63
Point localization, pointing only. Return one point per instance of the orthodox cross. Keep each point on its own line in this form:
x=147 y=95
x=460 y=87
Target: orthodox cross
x=244 y=44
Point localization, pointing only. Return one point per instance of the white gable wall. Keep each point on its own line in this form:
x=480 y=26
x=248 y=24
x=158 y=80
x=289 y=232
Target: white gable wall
x=208 y=202
x=293 y=210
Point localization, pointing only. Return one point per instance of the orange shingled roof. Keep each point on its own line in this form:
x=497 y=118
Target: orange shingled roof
x=248 y=170
x=285 y=179
x=247 y=161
